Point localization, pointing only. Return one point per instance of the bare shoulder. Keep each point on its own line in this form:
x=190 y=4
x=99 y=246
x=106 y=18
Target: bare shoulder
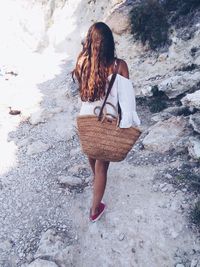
x=123 y=68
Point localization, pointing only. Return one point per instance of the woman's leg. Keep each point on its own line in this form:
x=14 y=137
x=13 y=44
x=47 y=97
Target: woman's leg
x=92 y=164
x=101 y=168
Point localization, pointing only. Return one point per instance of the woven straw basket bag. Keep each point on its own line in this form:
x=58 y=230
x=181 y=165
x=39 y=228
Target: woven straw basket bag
x=100 y=136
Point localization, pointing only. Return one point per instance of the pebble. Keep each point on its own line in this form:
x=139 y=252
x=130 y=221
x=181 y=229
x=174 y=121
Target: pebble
x=162 y=185
x=184 y=190
x=37 y=147
x=121 y=236
x=155 y=188
x=89 y=179
x=194 y=263
x=21 y=255
x=167 y=188
x=133 y=250
x=69 y=180
x=168 y=176
x=173 y=233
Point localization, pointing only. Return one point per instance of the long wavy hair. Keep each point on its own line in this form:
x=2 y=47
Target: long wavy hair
x=93 y=62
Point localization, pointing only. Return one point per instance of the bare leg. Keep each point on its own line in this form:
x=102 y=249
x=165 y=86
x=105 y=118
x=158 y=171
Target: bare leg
x=92 y=164
x=101 y=168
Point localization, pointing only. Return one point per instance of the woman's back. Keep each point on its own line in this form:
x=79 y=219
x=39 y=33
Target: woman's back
x=122 y=94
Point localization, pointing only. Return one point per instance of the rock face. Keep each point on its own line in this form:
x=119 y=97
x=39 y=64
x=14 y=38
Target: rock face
x=119 y=14
x=177 y=85
x=192 y=100
x=195 y=122
x=165 y=134
x=194 y=148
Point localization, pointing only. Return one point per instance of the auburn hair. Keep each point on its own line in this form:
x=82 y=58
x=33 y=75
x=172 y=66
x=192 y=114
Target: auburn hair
x=93 y=63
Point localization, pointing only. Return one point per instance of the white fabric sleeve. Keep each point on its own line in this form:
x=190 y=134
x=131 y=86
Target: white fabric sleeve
x=126 y=97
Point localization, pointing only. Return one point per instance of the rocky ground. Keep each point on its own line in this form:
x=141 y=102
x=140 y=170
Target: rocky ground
x=45 y=186
x=45 y=180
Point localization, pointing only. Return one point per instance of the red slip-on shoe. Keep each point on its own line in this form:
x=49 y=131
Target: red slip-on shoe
x=97 y=216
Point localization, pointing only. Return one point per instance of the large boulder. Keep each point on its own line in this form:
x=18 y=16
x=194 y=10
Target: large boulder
x=118 y=19
x=194 y=148
x=195 y=122
x=179 y=84
x=192 y=100
x=164 y=135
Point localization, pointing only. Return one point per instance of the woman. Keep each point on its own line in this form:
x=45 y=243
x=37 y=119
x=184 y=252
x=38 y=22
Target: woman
x=94 y=68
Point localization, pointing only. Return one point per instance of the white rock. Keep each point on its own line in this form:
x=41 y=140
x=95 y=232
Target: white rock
x=89 y=179
x=160 y=117
x=146 y=90
x=42 y=263
x=194 y=263
x=179 y=84
x=167 y=188
x=180 y=265
x=192 y=100
x=195 y=121
x=174 y=234
x=119 y=14
x=69 y=180
x=61 y=125
x=155 y=188
x=49 y=244
x=121 y=236
x=56 y=247
x=194 y=147
x=5 y=245
x=43 y=115
x=37 y=147
x=168 y=176
x=164 y=135
x=35 y=117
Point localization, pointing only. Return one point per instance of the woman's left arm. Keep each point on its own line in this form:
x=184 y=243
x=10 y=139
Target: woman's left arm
x=123 y=68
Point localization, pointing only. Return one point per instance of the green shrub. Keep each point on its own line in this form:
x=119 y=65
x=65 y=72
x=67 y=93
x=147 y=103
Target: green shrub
x=149 y=23
x=181 y=7
x=150 y=19
x=157 y=102
x=157 y=106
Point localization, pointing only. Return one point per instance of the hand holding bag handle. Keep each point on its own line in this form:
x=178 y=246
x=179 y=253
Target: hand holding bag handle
x=116 y=118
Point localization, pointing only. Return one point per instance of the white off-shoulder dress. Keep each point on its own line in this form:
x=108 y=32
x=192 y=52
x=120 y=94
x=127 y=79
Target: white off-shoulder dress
x=122 y=92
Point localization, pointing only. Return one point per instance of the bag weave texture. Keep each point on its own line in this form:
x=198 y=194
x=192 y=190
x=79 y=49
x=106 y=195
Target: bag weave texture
x=104 y=140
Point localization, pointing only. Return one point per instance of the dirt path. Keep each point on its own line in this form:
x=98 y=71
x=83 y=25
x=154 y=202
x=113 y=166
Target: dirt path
x=141 y=227
x=145 y=223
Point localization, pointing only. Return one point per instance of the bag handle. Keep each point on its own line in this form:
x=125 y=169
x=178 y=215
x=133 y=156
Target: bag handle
x=107 y=103
x=109 y=89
